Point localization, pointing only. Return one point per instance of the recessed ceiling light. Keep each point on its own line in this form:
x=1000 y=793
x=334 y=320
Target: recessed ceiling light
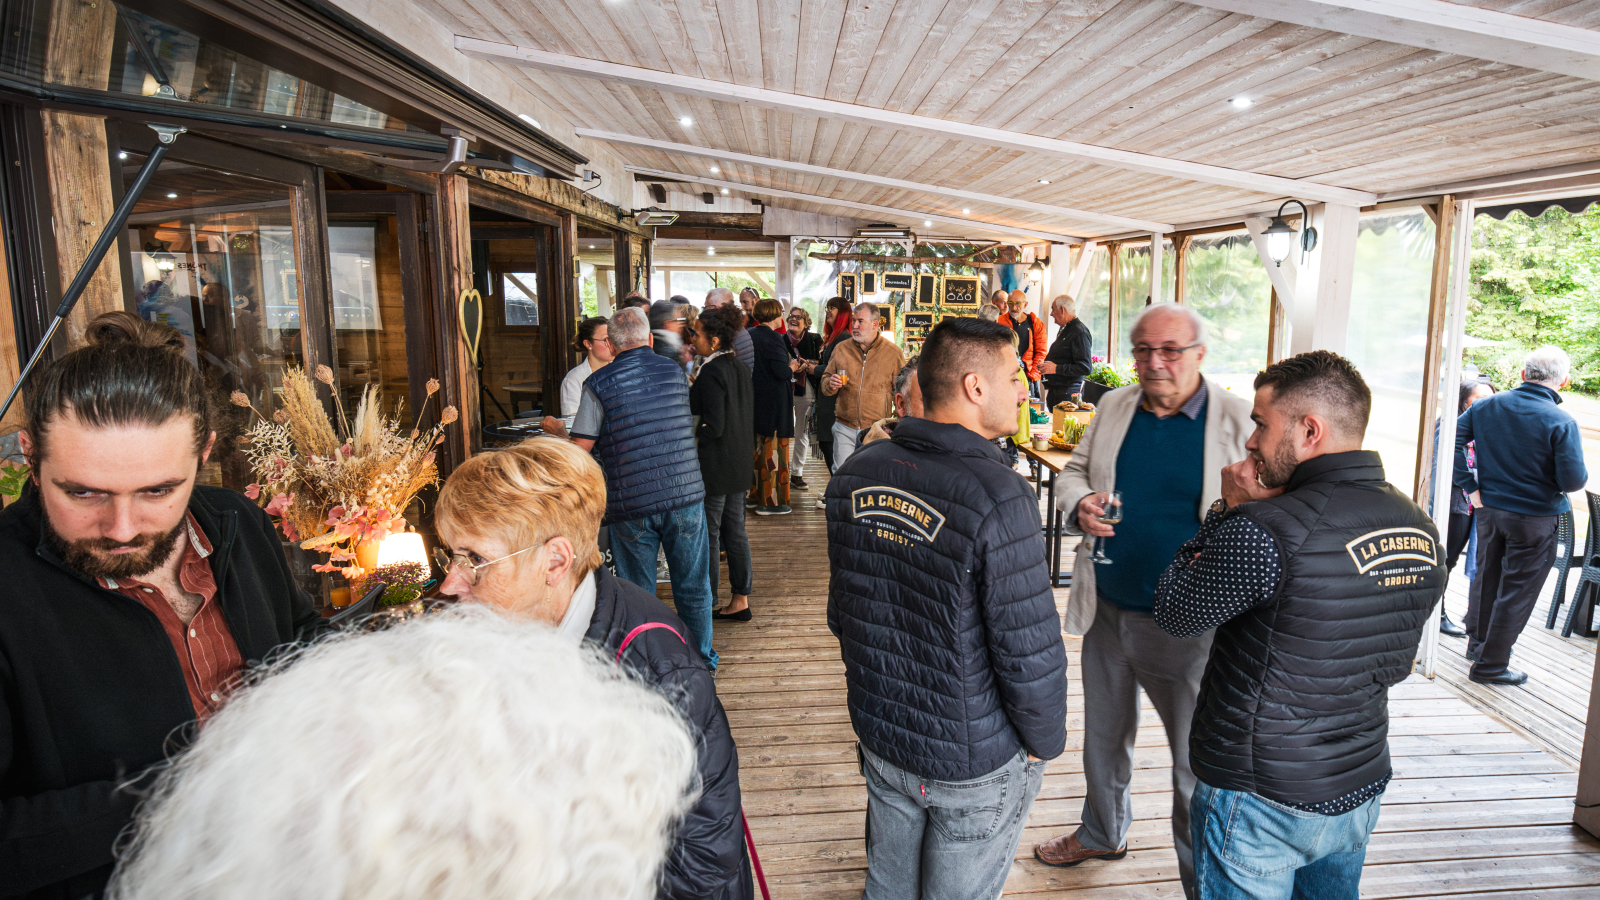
x=171 y=196
x=966 y=212
x=1241 y=102
x=530 y=120
x=685 y=121
x=711 y=251
x=715 y=170
x=926 y=224
x=122 y=155
x=1044 y=181
x=724 y=190
x=591 y=246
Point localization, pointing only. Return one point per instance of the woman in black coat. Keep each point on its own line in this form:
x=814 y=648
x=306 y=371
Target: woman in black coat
x=836 y=327
x=773 y=380
x=547 y=491
x=726 y=439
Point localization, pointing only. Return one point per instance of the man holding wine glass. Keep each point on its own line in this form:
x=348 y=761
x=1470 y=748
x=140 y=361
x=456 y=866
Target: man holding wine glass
x=1137 y=487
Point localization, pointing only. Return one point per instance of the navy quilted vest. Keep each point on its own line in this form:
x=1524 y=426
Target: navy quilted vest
x=1294 y=702
x=646 y=443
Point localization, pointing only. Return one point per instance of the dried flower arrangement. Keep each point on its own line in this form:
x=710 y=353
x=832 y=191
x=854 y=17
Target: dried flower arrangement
x=334 y=495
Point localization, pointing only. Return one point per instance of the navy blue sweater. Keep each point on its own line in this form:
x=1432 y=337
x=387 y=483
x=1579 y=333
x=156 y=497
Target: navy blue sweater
x=1530 y=454
x=1161 y=476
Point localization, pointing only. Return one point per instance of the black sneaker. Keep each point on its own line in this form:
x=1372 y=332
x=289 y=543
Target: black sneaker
x=773 y=510
x=795 y=481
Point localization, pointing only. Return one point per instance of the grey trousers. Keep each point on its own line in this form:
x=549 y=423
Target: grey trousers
x=944 y=840
x=1123 y=652
x=800 y=447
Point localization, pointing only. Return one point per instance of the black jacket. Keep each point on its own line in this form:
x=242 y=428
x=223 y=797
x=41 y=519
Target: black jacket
x=91 y=692
x=823 y=407
x=725 y=437
x=1071 y=351
x=810 y=347
x=941 y=600
x=708 y=859
x=773 y=381
x=1294 y=702
x=1530 y=452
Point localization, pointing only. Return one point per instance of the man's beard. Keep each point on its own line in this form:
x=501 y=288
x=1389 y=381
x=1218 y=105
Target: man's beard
x=1276 y=472
x=88 y=556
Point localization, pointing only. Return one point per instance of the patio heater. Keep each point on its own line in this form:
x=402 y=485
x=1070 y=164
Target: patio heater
x=1280 y=234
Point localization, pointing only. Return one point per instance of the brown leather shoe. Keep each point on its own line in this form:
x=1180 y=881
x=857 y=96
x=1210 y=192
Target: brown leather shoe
x=1066 y=851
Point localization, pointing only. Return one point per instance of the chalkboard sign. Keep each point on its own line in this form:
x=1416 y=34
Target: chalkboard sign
x=869 y=282
x=898 y=281
x=962 y=292
x=847 y=287
x=927 y=290
x=920 y=320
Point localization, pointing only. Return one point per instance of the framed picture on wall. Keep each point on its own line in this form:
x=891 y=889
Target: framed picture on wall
x=927 y=293
x=961 y=292
x=847 y=287
x=869 y=282
x=899 y=281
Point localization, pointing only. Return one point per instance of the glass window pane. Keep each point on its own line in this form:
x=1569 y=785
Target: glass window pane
x=214 y=255
x=1133 y=293
x=369 y=312
x=1388 y=331
x=521 y=293
x=1094 y=301
x=1225 y=283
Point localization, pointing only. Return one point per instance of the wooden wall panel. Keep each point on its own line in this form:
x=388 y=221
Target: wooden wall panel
x=10 y=361
x=454 y=252
x=77 y=160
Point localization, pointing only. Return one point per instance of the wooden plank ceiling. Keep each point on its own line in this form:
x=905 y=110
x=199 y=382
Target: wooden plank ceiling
x=1149 y=76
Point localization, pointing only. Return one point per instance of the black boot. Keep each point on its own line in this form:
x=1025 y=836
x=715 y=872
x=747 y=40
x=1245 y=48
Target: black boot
x=1448 y=627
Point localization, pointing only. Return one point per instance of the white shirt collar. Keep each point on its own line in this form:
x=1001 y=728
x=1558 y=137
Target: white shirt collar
x=575 y=622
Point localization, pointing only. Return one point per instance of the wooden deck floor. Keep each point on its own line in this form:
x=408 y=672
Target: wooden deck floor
x=1551 y=708
x=1475 y=810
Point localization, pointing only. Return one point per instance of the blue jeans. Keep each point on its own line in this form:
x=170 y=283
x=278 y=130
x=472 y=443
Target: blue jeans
x=944 y=840
x=682 y=534
x=1247 y=847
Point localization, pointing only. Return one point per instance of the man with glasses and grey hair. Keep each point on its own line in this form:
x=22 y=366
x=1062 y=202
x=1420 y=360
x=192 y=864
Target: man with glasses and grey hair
x=1530 y=456
x=1069 y=360
x=1162 y=444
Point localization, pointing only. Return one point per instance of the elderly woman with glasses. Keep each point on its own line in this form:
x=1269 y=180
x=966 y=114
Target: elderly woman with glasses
x=522 y=526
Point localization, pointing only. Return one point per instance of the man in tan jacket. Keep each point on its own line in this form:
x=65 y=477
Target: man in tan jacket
x=861 y=374
x=1163 y=444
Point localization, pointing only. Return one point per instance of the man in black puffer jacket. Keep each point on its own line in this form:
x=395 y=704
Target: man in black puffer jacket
x=947 y=625
x=1319 y=577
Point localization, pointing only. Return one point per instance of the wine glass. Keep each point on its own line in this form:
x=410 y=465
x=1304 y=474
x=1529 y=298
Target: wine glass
x=1111 y=514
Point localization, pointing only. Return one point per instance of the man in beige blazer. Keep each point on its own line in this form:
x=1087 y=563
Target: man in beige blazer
x=1163 y=443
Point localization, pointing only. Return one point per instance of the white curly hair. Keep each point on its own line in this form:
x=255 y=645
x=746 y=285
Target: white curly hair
x=463 y=756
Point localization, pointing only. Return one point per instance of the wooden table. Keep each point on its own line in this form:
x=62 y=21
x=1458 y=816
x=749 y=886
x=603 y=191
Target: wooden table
x=1052 y=461
x=532 y=390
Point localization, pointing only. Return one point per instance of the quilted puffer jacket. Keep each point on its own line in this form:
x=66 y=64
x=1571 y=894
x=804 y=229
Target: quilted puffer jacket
x=941 y=602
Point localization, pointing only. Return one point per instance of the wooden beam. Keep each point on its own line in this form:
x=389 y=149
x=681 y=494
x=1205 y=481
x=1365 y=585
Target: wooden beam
x=1332 y=275
x=869 y=207
x=454 y=252
x=751 y=221
x=1180 y=267
x=825 y=172
x=1432 y=395
x=816 y=107
x=1081 y=269
x=1454 y=28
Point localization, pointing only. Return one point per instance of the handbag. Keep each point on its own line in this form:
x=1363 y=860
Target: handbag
x=749 y=841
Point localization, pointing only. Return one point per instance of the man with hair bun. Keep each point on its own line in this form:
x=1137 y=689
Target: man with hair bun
x=947 y=625
x=1318 y=576
x=1530 y=457
x=135 y=600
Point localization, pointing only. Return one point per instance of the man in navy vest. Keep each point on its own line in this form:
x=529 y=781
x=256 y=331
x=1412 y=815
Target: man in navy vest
x=1318 y=576
x=1530 y=456
x=634 y=417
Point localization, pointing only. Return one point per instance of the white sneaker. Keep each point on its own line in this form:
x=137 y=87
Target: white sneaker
x=821 y=504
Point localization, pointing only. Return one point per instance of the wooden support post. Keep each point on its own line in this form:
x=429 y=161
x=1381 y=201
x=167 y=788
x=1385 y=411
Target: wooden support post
x=1180 y=268
x=1080 y=270
x=455 y=255
x=1114 y=262
x=1586 y=807
x=565 y=303
x=1157 y=240
x=1434 y=394
x=1330 y=276
x=1450 y=372
x=10 y=358
x=783 y=272
x=1275 y=335
x=77 y=159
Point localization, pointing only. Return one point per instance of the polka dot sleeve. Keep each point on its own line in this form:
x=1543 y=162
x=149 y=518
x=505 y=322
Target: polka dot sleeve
x=1230 y=566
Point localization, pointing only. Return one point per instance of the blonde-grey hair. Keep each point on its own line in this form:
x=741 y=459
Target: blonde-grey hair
x=464 y=754
x=1065 y=301
x=989 y=312
x=1185 y=313
x=1548 y=365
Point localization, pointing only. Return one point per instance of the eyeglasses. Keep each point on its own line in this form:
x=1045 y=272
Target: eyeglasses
x=797 y=318
x=448 y=562
x=1168 y=354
